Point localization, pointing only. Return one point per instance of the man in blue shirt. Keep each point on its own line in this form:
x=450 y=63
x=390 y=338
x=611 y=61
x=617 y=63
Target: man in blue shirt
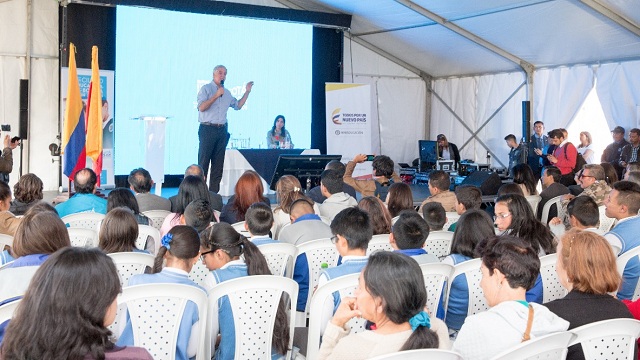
x=84 y=199
x=213 y=102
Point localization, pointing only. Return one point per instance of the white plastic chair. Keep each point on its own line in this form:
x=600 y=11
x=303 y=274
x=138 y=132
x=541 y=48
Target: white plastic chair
x=156 y=312
x=239 y=227
x=82 y=237
x=452 y=217
x=254 y=301
x=552 y=288
x=5 y=240
x=7 y=310
x=379 y=242
x=436 y=276
x=199 y=273
x=534 y=200
x=317 y=252
x=156 y=217
x=547 y=206
x=421 y=354
x=144 y=231
x=608 y=339
x=281 y=258
x=438 y=243
x=552 y=346
x=345 y=285
x=131 y=263
x=471 y=270
x=86 y=220
x=621 y=263
x=606 y=223
x=393 y=221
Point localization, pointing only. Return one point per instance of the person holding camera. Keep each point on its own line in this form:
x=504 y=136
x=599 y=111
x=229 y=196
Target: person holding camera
x=6 y=159
x=383 y=176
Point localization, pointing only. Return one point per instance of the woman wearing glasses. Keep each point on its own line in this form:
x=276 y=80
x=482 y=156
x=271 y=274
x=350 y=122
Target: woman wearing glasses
x=179 y=251
x=221 y=248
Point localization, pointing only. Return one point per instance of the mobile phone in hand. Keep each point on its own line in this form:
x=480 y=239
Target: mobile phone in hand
x=370 y=157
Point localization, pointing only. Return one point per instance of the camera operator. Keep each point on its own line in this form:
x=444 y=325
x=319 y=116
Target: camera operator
x=6 y=159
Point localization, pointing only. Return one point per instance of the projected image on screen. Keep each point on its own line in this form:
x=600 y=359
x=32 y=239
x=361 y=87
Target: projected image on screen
x=164 y=57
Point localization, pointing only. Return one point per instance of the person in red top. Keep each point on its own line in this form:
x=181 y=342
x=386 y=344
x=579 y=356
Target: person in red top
x=564 y=156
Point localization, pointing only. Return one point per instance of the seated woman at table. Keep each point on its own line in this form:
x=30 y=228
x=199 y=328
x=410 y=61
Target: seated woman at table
x=278 y=137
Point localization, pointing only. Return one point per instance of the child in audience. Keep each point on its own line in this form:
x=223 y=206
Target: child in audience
x=8 y=222
x=399 y=198
x=434 y=214
x=408 y=236
x=221 y=251
x=119 y=232
x=378 y=214
x=198 y=214
x=288 y=190
x=66 y=311
x=467 y=197
x=258 y=221
x=180 y=250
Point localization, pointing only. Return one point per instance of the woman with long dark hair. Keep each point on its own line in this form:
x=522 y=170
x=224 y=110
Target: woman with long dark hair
x=66 y=310
x=123 y=197
x=523 y=176
x=392 y=295
x=399 y=198
x=230 y=255
x=248 y=191
x=278 y=137
x=191 y=188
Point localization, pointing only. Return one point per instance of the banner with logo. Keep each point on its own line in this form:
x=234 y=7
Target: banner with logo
x=349 y=122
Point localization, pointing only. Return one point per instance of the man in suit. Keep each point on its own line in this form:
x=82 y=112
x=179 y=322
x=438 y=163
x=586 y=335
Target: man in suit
x=538 y=144
x=214 y=198
x=140 y=183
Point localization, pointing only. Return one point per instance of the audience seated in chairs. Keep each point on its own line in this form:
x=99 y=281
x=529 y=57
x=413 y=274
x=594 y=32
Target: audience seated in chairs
x=523 y=176
x=305 y=224
x=316 y=194
x=140 y=183
x=468 y=197
x=180 y=250
x=221 y=251
x=586 y=267
x=123 y=197
x=40 y=234
x=474 y=226
x=400 y=198
x=435 y=215
x=583 y=214
x=509 y=267
x=28 y=191
x=84 y=200
x=378 y=214
x=408 y=236
x=258 y=221
x=288 y=190
x=336 y=200
x=248 y=191
x=198 y=214
x=551 y=187
x=391 y=293
x=119 y=232
x=191 y=188
x=215 y=199
x=383 y=176
x=439 y=183
x=8 y=221
x=70 y=321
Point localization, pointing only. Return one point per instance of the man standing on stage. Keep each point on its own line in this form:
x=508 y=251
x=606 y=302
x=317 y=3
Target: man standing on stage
x=213 y=102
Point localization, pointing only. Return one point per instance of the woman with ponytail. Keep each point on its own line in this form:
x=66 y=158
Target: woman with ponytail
x=288 y=190
x=221 y=251
x=392 y=295
x=179 y=252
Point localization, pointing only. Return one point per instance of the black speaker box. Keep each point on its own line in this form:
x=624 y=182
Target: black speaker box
x=488 y=182
x=23 y=129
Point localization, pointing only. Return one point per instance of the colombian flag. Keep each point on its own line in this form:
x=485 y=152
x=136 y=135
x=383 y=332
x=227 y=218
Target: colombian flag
x=73 y=135
x=94 y=119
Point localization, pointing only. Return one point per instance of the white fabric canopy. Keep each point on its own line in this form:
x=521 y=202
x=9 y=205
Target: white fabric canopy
x=618 y=88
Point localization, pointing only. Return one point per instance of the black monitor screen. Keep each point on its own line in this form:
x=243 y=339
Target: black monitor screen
x=301 y=166
x=428 y=151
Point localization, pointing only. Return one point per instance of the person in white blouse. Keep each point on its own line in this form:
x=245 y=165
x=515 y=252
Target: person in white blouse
x=585 y=148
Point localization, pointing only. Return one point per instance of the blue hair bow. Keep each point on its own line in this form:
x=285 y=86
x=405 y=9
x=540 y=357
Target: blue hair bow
x=420 y=319
x=166 y=241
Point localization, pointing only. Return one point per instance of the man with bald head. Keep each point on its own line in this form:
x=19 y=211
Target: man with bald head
x=214 y=199
x=84 y=199
x=305 y=225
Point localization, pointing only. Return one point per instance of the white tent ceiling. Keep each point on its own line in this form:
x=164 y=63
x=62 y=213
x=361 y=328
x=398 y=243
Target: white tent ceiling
x=544 y=33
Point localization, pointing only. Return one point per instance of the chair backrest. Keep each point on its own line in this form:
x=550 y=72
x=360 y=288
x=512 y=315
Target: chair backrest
x=156 y=312
x=552 y=346
x=552 y=288
x=471 y=270
x=420 y=354
x=452 y=217
x=534 y=200
x=5 y=240
x=344 y=285
x=86 y=220
x=156 y=217
x=131 y=263
x=379 y=242
x=395 y=218
x=608 y=339
x=144 y=231
x=83 y=237
x=606 y=223
x=281 y=258
x=621 y=263
x=199 y=273
x=317 y=252
x=239 y=227
x=439 y=243
x=254 y=301
x=436 y=276
x=7 y=310
x=545 y=209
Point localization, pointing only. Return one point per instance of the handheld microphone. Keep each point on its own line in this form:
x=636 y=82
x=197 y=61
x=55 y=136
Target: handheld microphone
x=222 y=83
